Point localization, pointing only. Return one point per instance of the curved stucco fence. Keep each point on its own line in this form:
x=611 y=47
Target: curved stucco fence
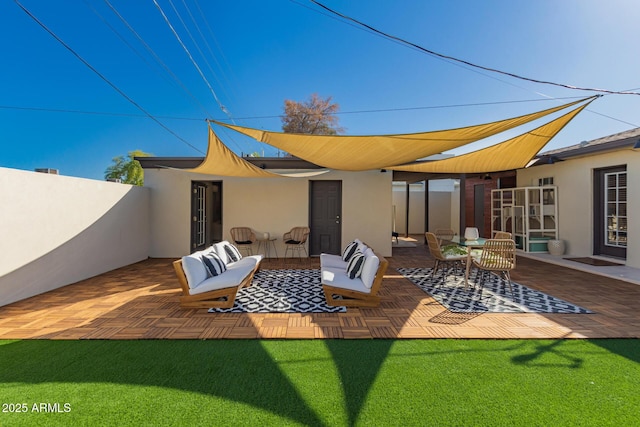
x=57 y=230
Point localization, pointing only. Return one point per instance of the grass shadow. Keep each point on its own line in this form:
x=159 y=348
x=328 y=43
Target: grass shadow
x=240 y=371
x=358 y=366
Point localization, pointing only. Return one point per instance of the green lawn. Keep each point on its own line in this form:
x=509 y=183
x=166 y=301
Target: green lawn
x=322 y=382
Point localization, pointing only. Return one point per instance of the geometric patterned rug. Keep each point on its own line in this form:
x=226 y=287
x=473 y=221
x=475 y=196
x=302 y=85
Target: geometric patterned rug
x=494 y=298
x=282 y=291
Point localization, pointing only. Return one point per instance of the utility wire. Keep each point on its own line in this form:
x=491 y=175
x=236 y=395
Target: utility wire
x=440 y=55
x=156 y=57
x=382 y=110
x=98 y=113
x=166 y=19
x=206 y=43
x=184 y=25
x=368 y=31
x=124 y=95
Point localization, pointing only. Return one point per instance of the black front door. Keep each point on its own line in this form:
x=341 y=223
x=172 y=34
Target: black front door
x=325 y=217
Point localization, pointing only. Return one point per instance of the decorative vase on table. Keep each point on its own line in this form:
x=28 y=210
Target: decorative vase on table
x=471 y=233
x=555 y=247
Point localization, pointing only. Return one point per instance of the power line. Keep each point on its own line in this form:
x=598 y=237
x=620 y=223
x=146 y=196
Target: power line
x=381 y=110
x=208 y=46
x=98 y=113
x=368 y=31
x=193 y=40
x=124 y=95
x=184 y=47
x=432 y=107
x=156 y=57
x=440 y=55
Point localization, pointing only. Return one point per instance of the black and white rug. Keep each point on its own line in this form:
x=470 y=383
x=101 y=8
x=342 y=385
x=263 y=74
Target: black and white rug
x=495 y=298
x=282 y=291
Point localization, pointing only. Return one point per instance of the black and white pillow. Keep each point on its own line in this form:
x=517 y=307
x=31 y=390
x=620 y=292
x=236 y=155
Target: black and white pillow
x=233 y=253
x=349 y=251
x=355 y=266
x=215 y=265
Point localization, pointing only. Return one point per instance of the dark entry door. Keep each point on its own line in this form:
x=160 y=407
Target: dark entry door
x=325 y=217
x=610 y=212
x=206 y=214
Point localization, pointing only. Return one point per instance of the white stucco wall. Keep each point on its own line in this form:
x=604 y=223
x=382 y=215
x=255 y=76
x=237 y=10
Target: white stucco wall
x=56 y=230
x=273 y=205
x=574 y=178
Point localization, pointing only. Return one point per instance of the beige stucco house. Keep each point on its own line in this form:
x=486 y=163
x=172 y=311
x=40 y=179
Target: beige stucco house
x=190 y=210
x=598 y=195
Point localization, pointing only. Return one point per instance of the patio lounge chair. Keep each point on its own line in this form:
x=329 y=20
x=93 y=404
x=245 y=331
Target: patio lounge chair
x=342 y=290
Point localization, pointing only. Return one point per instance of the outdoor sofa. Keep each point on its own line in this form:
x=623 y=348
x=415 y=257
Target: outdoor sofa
x=354 y=278
x=212 y=277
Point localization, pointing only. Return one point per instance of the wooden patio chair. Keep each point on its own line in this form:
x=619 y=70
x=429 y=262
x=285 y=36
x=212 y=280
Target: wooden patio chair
x=499 y=257
x=439 y=258
x=295 y=240
x=503 y=235
x=444 y=235
x=243 y=238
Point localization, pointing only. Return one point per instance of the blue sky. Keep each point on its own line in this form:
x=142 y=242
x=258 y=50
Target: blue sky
x=256 y=54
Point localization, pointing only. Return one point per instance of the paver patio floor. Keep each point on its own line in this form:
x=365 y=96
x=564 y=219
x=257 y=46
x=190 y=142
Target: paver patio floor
x=140 y=301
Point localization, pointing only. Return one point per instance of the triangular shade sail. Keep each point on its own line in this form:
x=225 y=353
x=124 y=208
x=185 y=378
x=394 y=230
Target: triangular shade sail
x=357 y=153
x=514 y=153
x=220 y=160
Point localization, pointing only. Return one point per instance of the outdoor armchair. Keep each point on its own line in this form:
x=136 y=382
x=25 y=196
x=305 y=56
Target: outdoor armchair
x=444 y=235
x=295 y=240
x=243 y=238
x=498 y=256
x=502 y=235
x=440 y=258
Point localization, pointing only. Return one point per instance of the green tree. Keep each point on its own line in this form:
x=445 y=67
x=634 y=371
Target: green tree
x=314 y=116
x=128 y=170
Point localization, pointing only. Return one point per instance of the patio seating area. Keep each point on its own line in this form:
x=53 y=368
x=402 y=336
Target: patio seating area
x=142 y=301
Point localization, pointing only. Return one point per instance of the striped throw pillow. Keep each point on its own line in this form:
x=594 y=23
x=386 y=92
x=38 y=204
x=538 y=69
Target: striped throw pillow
x=233 y=253
x=356 y=264
x=214 y=264
x=349 y=251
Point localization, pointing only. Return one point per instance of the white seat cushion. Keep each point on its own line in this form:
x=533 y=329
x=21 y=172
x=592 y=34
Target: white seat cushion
x=235 y=274
x=332 y=261
x=339 y=279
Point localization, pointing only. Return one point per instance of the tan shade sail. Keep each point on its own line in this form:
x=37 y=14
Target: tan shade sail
x=357 y=153
x=514 y=153
x=220 y=160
